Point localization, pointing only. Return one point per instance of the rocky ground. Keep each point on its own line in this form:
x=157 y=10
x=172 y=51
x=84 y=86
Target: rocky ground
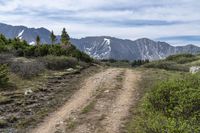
x=22 y=110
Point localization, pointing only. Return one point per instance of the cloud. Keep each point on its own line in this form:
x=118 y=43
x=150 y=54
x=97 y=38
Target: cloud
x=121 y=18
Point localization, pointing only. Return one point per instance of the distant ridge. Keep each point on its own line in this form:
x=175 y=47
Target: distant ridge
x=104 y=47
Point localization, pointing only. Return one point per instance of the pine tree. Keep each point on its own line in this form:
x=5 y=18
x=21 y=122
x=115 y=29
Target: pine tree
x=53 y=38
x=38 y=40
x=64 y=37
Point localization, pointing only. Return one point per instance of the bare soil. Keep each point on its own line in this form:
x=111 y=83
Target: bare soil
x=100 y=105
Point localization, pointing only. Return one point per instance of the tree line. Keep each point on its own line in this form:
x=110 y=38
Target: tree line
x=21 y=48
x=65 y=38
x=139 y=62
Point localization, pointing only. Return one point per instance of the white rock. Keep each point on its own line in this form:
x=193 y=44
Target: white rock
x=107 y=91
x=194 y=69
x=70 y=69
x=28 y=91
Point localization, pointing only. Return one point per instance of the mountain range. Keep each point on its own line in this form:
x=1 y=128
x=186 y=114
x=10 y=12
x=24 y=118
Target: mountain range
x=104 y=47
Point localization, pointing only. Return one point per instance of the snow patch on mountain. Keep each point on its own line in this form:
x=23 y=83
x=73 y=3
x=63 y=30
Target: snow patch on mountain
x=20 y=34
x=32 y=43
x=99 y=49
x=107 y=41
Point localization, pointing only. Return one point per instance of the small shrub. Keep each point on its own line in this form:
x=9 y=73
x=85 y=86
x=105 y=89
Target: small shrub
x=182 y=58
x=3 y=75
x=5 y=58
x=167 y=65
x=109 y=60
x=59 y=62
x=172 y=106
x=136 y=63
x=27 y=69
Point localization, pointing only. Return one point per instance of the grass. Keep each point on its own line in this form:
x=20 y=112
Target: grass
x=71 y=125
x=4 y=99
x=89 y=107
x=149 y=78
x=167 y=65
x=180 y=62
x=168 y=103
x=33 y=83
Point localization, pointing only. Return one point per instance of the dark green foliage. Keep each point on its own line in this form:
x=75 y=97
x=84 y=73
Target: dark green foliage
x=109 y=60
x=53 y=38
x=3 y=40
x=139 y=62
x=173 y=106
x=3 y=75
x=64 y=37
x=116 y=63
x=167 y=65
x=37 y=40
x=42 y=50
x=22 y=49
x=182 y=58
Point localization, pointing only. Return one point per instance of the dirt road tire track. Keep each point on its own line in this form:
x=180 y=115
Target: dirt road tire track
x=120 y=108
x=77 y=101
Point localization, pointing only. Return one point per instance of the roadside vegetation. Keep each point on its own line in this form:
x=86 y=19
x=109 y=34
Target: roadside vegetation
x=169 y=98
x=180 y=62
x=36 y=79
x=124 y=63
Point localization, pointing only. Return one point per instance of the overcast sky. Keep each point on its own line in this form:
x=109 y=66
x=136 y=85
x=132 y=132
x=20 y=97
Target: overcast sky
x=174 y=21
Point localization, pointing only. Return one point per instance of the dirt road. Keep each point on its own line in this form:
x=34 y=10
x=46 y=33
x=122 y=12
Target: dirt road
x=100 y=105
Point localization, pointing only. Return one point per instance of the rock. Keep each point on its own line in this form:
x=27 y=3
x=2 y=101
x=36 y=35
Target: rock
x=28 y=92
x=106 y=91
x=70 y=69
x=194 y=69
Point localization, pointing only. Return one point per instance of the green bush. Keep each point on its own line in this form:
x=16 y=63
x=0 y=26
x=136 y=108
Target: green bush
x=167 y=65
x=173 y=106
x=182 y=58
x=3 y=75
x=59 y=62
x=136 y=63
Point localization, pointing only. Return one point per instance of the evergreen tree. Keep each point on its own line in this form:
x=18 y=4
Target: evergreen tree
x=38 y=40
x=53 y=38
x=64 y=37
x=3 y=40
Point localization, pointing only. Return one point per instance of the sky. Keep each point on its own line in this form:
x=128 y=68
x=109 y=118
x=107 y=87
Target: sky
x=174 y=21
